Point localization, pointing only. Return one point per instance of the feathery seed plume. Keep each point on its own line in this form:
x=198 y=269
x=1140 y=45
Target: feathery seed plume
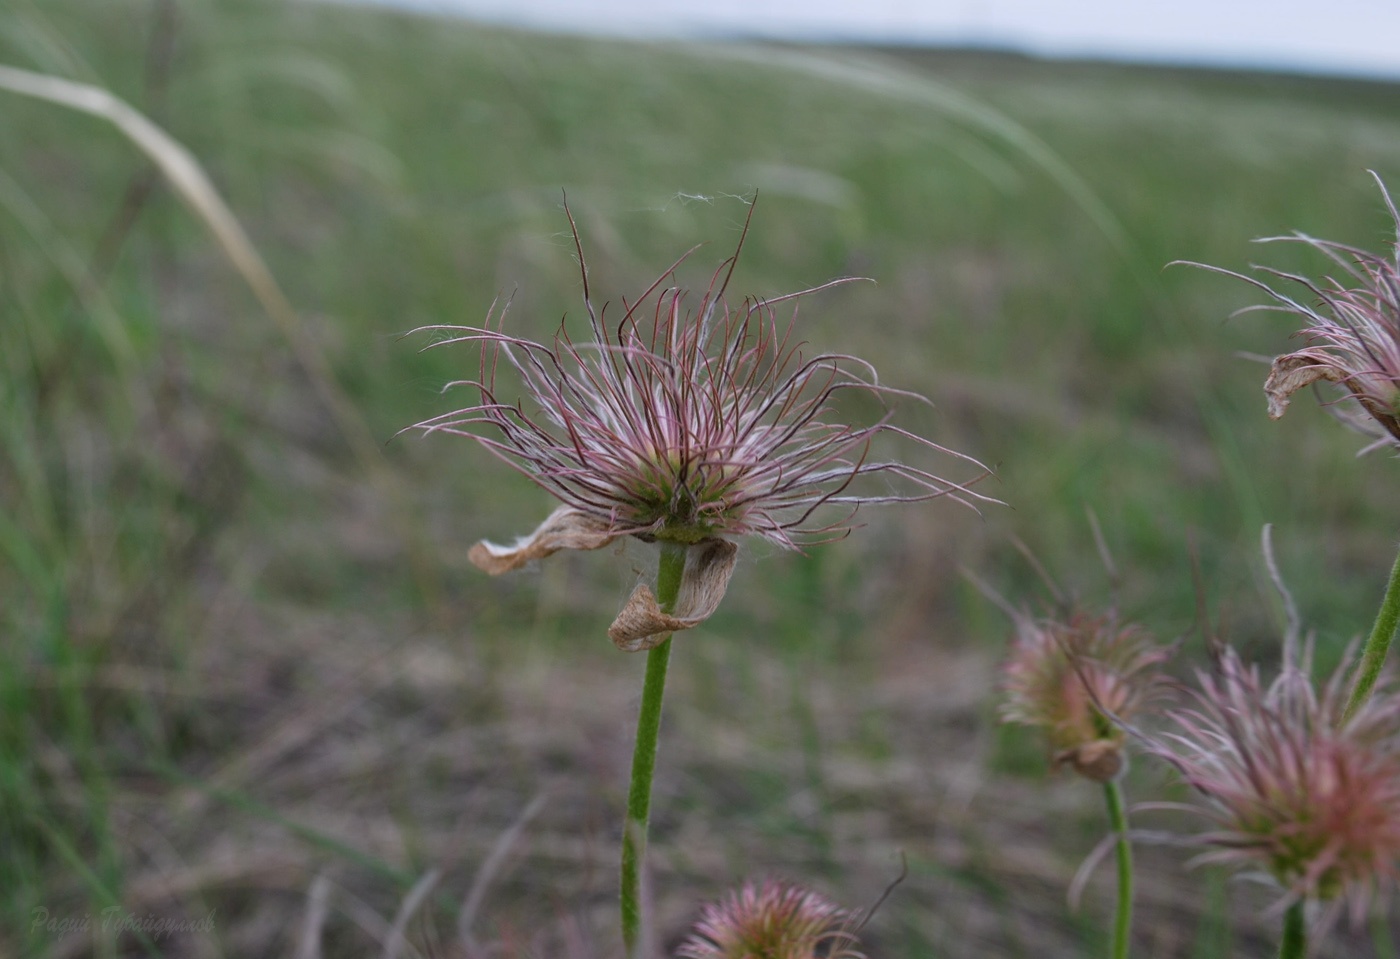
x=1080 y=679
x=687 y=426
x=1292 y=788
x=772 y=920
x=1351 y=327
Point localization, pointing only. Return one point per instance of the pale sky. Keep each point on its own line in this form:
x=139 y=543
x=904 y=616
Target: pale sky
x=1356 y=37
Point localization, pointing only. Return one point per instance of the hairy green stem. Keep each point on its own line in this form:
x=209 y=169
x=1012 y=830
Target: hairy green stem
x=1295 y=934
x=1373 y=654
x=1123 y=919
x=634 y=830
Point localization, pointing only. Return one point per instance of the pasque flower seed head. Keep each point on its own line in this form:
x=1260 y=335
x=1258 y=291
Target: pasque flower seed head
x=772 y=920
x=1080 y=679
x=1351 y=328
x=687 y=425
x=1293 y=789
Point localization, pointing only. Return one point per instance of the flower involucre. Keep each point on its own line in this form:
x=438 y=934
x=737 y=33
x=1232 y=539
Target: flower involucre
x=1293 y=789
x=684 y=425
x=1352 y=331
x=772 y=920
x=1080 y=679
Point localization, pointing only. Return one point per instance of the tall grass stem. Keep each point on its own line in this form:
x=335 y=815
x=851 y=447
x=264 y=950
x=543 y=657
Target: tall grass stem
x=1123 y=918
x=187 y=177
x=634 y=831
x=1378 y=644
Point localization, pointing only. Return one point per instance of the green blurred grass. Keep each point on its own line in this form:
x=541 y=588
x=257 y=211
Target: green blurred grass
x=205 y=594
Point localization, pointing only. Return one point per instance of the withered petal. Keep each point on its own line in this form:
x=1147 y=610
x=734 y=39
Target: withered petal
x=565 y=528
x=642 y=624
x=1100 y=760
x=1293 y=372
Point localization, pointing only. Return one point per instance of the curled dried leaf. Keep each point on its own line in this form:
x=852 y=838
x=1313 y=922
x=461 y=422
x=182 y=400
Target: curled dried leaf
x=565 y=528
x=642 y=624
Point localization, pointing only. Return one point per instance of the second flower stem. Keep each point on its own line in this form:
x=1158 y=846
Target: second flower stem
x=1378 y=644
x=634 y=829
x=1295 y=934
x=1118 y=820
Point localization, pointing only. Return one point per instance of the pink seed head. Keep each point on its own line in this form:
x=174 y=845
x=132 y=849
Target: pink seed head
x=1291 y=788
x=772 y=920
x=682 y=424
x=1351 y=327
x=1081 y=679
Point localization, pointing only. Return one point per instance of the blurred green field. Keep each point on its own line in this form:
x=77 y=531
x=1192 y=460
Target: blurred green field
x=247 y=667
